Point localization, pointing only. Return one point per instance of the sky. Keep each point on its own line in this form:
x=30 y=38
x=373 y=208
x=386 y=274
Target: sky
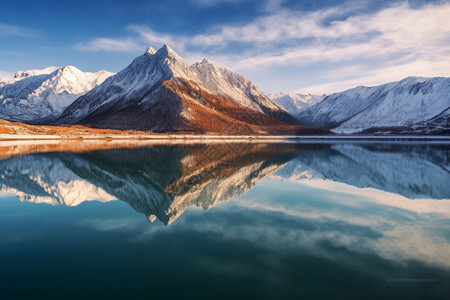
x=307 y=46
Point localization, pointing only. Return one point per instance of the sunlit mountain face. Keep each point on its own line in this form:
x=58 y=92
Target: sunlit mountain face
x=342 y=219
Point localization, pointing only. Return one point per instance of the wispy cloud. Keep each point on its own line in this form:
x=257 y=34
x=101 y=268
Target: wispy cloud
x=113 y=45
x=401 y=33
x=399 y=30
x=379 y=75
x=7 y=30
x=151 y=37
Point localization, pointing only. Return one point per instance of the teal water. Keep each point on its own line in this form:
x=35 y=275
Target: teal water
x=221 y=221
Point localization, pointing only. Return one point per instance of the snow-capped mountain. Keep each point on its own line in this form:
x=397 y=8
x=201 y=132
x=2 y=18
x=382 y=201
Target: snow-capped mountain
x=122 y=99
x=240 y=90
x=159 y=91
x=404 y=106
x=43 y=94
x=295 y=103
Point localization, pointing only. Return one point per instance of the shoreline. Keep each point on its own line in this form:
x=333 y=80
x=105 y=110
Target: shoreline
x=25 y=144
x=182 y=137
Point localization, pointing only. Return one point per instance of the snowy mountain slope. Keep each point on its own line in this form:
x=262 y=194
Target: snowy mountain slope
x=159 y=92
x=97 y=78
x=137 y=87
x=40 y=94
x=398 y=169
x=410 y=103
x=240 y=90
x=5 y=81
x=24 y=74
x=295 y=103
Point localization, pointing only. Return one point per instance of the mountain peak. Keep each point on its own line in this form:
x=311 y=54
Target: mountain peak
x=166 y=51
x=70 y=68
x=69 y=71
x=205 y=64
x=207 y=61
x=146 y=64
x=150 y=50
x=226 y=83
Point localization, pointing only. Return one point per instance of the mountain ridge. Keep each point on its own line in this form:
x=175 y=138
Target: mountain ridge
x=41 y=94
x=404 y=106
x=295 y=103
x=158 y=91
x=226 y=83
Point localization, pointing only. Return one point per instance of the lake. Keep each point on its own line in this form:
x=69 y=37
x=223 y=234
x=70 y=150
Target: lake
x=313 y=220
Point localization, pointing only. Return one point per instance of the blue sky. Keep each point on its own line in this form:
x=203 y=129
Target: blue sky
x=309 y=46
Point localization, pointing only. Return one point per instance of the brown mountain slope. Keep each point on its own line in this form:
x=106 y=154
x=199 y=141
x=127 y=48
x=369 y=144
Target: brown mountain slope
x=204 y=112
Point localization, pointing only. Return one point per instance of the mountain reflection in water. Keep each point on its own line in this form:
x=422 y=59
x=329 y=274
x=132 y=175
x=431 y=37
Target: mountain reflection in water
x=163 y=180
x=347 y=220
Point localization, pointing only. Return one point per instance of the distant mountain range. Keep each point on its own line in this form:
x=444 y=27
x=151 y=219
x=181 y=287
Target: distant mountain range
x=295 y=103
x=412 y=105
x=158 y=91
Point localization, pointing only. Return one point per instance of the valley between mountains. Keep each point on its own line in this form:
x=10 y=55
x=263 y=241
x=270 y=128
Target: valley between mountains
x=158 y=93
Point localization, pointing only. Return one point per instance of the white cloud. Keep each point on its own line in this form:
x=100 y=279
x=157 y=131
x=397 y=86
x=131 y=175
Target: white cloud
x=147 y=36
x=278 y=27
x=381 y=75
x=114 y=45
x=399 y=30
x=416 y=39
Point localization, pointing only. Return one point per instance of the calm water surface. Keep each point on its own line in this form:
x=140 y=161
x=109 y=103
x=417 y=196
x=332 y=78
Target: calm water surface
x=348 y=220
